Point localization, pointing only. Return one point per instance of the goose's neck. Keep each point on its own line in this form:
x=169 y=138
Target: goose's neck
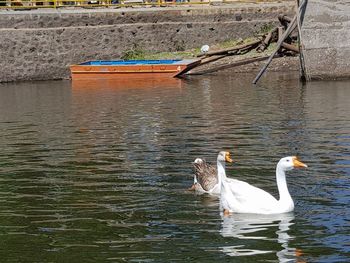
x=282 y=186
x=221 y=171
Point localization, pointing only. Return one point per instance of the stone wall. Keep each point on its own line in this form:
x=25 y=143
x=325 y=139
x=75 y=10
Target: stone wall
x=326 y=39
x=41 y=44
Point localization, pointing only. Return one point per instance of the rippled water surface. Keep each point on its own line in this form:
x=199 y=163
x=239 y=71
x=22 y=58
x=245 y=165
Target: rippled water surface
x=99 y=173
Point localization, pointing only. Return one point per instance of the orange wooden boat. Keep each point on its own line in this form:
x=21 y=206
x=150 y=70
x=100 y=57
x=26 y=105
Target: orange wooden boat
x=141 y=69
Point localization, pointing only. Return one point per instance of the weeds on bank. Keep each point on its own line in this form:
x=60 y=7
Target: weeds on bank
x=139 y=54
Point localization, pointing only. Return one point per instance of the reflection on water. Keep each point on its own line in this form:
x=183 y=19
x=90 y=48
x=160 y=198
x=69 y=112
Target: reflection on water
x=126 y=84
x=257 y=227
x=99 y=173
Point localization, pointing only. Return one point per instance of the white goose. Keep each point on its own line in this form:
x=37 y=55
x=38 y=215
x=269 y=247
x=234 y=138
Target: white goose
x=240 y=197
x=206 y=177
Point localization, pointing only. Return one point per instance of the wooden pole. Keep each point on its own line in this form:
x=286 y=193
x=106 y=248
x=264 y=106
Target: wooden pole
x=301 y=55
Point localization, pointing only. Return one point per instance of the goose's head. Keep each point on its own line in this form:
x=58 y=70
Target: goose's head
x=204 y=49
x=290 y=162
x=224 y=157
x=198 y=161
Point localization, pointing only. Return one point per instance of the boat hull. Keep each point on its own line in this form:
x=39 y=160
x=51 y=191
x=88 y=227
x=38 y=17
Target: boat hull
x=140 y=69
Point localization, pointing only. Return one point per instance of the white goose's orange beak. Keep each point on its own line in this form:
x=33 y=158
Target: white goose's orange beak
x=228 y=157
x=297 y=163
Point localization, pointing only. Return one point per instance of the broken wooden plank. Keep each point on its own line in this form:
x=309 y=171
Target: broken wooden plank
x=290 y=47
x=202 y=62
x=236 y=48
x=280 y=32
x=265 y=43
x=210 y=59
x=230 y=65
x=290 y=28
x=284 y=20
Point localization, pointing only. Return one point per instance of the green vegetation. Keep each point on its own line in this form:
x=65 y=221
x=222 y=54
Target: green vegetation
x=141 y=54
x=137 y=53
x=134 y=54
x=233 y=43
x=173 y=55
x=266 y=28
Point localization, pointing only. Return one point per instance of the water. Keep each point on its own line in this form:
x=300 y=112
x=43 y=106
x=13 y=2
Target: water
x=101 y=174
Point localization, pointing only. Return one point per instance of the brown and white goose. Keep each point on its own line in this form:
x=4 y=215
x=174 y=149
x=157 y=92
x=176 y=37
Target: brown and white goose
x=206 y=177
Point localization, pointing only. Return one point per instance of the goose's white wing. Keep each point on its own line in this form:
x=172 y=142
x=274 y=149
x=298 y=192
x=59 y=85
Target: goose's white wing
x=242 y=197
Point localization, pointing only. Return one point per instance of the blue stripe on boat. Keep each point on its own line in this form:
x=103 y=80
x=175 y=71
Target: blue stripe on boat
x=130 y=62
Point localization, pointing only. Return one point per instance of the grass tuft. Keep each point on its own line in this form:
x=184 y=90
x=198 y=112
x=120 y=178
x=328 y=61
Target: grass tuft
x=138 y=54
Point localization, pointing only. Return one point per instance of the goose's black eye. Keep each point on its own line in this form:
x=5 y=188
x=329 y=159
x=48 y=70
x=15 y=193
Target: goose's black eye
x=287 y=160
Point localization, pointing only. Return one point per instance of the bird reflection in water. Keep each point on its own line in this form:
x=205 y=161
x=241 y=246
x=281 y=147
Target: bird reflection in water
x=258 y=227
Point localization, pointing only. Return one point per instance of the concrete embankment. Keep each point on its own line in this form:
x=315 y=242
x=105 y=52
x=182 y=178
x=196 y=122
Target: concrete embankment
x=326 y=39
x=41 y=44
